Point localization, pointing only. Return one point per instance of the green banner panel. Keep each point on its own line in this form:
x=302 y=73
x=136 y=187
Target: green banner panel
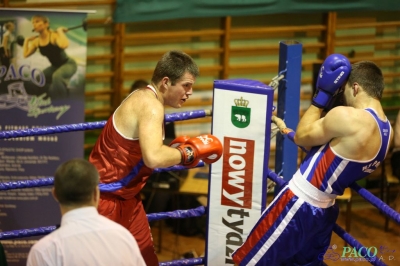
x=151 y=10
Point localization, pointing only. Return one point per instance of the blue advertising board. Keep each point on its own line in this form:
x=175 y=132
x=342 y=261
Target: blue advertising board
x=42 y=80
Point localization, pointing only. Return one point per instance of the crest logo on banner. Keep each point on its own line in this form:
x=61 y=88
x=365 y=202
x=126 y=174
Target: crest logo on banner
x=240 y=115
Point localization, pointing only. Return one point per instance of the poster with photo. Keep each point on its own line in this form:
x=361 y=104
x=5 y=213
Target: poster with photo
x=42 y=81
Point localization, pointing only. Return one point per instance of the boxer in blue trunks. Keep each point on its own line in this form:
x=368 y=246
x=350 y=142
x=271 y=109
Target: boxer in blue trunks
x=344 y=146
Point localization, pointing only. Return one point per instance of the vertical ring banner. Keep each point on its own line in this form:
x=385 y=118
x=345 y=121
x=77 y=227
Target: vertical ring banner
x=42 y=82
x=242 y=111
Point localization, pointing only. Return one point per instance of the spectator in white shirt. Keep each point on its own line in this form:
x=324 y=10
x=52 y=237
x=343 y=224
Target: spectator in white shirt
x=85 y=237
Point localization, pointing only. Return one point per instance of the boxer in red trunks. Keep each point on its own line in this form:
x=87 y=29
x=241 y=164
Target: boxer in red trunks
x=131 y=146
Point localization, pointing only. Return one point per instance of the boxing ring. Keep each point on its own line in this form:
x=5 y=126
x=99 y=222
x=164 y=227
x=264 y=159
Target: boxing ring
x=235 y=156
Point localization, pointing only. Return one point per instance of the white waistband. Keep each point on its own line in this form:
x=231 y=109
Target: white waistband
x=304 y=190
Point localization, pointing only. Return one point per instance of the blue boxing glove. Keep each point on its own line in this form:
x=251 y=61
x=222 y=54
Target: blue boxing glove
x=333 y=74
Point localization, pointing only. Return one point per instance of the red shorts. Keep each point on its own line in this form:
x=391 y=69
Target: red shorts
x=130 y=214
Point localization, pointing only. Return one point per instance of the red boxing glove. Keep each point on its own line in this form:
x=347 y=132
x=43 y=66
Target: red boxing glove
x=178 y=141
x=205 y=147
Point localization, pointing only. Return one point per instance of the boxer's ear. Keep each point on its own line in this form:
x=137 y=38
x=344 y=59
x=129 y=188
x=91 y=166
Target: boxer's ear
x=165 y=82
x=355 y=87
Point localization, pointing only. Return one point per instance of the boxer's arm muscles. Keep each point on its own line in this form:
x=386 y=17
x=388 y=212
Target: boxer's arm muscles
x=311 y=132
x=308 y=127
x=155 y=154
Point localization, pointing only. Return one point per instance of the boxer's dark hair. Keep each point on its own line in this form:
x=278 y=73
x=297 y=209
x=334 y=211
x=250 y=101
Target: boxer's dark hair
x=369 y=76
x=174 y=64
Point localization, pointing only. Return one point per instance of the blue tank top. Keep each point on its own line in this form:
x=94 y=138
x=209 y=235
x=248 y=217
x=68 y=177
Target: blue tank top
x=332 y=174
